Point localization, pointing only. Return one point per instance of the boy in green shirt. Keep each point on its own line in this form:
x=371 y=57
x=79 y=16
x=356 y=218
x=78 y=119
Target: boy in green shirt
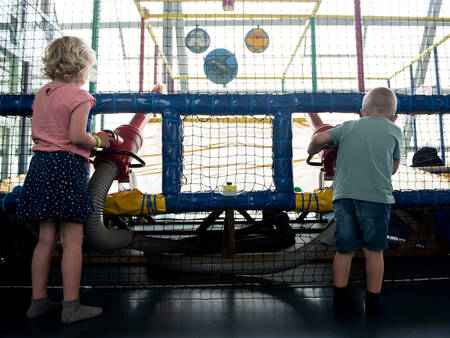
x=368 y=155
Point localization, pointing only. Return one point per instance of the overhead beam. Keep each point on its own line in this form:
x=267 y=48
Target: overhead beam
x=272 y=1
x=284 y=16
x=330 y=21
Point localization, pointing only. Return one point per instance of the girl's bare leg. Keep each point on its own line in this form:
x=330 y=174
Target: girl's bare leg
x=72 y=240
x=40 y=267
x=42 y=258
x=72 y=259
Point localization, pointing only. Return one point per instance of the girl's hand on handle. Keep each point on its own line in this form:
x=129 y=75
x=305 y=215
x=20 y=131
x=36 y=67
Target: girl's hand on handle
x=106 y=140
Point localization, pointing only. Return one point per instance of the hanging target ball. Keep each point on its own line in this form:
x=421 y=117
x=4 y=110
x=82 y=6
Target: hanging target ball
x=220 y=66
x=197 y=40
x=257 y=40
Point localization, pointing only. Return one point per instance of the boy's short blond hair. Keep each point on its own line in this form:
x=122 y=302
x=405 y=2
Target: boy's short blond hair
x=380 y=100
x=68 y=59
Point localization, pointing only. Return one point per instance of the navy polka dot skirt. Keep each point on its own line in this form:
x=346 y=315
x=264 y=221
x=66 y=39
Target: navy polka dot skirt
x=55 y=189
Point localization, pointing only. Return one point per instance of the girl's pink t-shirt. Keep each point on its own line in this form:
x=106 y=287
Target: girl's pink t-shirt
x=52 y=109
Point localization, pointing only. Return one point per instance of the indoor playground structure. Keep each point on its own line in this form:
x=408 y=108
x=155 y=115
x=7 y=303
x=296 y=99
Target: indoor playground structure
x=212 y=105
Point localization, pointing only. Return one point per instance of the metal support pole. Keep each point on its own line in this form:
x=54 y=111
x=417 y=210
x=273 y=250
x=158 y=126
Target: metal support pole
x=438 y=92
x=95 y=37
x=413 y=118
x=94 y=45
x=359 y=46
x=155 y=66
x=313 y=55
x=229 y=240
x=167 y=44
x=165 y=74
x=141 y=56
x=25 y=129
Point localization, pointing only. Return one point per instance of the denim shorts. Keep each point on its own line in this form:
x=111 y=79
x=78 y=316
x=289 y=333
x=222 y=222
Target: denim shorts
x=360 y=224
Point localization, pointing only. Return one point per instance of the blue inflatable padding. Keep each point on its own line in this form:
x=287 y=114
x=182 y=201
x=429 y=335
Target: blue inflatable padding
x=233 y=104
x=172 y=152
x=282 y=166
x=171 y=178
x=282 y=149
x=283 y=183
x=207 y=201
x=18 y=189
x=421 y=198
x=16 y=105
x=270 y=200
x=282 y=126
x=171 y=130
x=129 y=102
x=282 y=153
x=9 y=201
x=170 y=114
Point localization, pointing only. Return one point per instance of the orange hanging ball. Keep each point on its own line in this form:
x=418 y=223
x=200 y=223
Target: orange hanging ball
x=257 y=40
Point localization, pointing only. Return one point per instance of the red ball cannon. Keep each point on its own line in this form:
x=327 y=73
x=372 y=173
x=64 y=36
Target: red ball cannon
x=328 y=156
x=128 y=139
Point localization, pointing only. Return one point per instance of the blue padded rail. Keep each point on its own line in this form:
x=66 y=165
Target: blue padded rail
x=421 y=198
x=172 y=156
x=207 y=201
x=9 y=201
x=259 y=200
x=282 y=153
x=231 y=104
x=279 y=106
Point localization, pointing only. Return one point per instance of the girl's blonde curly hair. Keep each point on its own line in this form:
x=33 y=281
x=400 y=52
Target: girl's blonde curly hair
x=69 y=59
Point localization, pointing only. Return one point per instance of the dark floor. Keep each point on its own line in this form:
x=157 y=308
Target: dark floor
x=412 y=310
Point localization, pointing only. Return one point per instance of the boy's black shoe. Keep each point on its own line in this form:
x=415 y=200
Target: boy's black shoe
x=342 y=304
x=373 y=307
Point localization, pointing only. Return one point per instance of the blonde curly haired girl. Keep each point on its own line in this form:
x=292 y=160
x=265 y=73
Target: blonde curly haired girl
x=55 y=189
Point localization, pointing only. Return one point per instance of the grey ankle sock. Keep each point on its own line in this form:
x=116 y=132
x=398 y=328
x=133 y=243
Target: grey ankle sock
x=73 y=311
x=41 y=306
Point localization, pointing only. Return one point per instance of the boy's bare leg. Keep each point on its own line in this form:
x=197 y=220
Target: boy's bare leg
x=42 y=258
x=374 y=276
x=341 y=268
x=72 y=241
x=374 y=270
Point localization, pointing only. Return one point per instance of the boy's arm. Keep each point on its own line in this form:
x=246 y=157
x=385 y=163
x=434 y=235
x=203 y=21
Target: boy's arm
x=396 y=164
x=317 y=142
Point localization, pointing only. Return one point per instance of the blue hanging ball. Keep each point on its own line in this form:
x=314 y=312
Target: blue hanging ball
x=220 y=66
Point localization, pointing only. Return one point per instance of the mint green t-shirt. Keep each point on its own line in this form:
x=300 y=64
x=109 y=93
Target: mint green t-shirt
x=366 y=151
